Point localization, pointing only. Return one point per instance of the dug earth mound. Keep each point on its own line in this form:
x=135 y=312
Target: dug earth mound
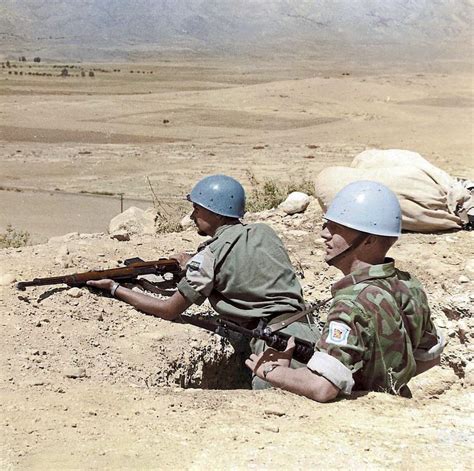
x=88 y=382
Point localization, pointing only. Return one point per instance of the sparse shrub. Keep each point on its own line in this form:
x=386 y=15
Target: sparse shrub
x=64 y=73
x=305 y=186
x=270 y=193
x=264 y=196
x=37 y=59
x=13 y=238
x=91 y=73
x=165 y=222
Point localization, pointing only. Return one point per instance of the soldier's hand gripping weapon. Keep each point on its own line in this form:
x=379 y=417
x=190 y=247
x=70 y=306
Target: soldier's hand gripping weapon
x=303 y=351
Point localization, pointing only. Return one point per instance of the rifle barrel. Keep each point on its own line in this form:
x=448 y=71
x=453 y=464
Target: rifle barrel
x=121 y=274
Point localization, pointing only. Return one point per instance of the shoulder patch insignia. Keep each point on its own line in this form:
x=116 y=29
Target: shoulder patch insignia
x=195 y=263
x=338 y=333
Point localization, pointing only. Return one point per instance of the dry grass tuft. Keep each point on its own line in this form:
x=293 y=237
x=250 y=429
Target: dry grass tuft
x=13 y=238
x=270 y=193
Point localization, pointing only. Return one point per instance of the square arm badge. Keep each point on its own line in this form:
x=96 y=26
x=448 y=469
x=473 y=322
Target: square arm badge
x=338 y=333
x=195 y=263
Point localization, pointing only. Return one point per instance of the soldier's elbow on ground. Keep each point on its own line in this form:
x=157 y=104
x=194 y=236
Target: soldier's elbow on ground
x=325 y=395
x=164 y=309
x=321 y=390
x=166 y=314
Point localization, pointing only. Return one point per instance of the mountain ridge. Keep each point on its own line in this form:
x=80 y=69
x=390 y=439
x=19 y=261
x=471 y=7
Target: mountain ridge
x=230 y=26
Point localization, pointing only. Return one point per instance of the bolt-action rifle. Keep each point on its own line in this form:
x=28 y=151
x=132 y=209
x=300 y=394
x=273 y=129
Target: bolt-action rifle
x=133 y=268
x=303 y=351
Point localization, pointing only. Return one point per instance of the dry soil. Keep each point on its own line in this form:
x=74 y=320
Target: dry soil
x=89 y=383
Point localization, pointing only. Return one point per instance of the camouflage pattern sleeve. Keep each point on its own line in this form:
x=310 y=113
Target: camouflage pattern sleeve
x=346 y=335
x=429 y=336
x=431 y=344
x=416 y=310
x=426 y=341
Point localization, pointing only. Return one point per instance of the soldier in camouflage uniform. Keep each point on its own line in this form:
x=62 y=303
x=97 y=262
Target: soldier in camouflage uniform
x=379 y=333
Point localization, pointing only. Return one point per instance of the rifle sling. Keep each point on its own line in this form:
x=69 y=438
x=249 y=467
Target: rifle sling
x=282 y=321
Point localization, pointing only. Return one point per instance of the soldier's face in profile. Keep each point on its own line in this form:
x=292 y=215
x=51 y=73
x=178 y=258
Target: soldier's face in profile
x=336 y=238
x=206 y=221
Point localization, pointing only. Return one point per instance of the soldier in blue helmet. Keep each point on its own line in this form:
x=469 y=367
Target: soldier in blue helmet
x=244 y=270
x=379 y=331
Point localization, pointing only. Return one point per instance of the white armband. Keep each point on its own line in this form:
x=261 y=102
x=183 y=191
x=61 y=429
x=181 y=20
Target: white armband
x=333 y=370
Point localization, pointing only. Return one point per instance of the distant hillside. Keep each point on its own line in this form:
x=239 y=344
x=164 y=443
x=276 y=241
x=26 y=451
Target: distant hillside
x=108 y=28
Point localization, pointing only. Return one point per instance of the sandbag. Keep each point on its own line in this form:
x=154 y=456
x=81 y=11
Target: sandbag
x=386 y=158
x=428 y=196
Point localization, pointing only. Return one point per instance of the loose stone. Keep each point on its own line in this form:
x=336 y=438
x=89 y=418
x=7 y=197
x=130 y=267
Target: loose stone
x=75 y=373
x=75 y=292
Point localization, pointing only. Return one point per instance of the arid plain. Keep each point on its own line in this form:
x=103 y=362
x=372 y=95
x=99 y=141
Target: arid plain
x=173 y=122
x=69 y=145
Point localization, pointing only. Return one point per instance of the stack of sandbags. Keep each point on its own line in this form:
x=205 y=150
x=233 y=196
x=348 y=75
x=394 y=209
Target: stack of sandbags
x=429 y=197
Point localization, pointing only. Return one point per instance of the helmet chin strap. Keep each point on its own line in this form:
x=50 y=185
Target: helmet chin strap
x=358 y=241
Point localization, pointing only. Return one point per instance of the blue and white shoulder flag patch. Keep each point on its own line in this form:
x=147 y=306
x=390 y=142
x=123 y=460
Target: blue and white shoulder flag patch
x=338 y=333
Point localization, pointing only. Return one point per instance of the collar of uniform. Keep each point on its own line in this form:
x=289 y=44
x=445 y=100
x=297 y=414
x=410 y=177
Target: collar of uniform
x=369 y=273
x=221 y=229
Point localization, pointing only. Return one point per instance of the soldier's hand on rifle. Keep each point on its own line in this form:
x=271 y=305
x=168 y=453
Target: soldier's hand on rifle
x=264 y=363
x=182 y=258
x=104 y=284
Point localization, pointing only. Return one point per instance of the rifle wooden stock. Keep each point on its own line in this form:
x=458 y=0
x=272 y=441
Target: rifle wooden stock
x=134 y=268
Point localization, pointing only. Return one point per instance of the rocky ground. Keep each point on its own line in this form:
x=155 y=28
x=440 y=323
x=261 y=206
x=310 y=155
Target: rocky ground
x=88 y=382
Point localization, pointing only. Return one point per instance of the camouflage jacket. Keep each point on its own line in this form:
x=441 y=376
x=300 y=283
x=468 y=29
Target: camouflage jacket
x=378 y=326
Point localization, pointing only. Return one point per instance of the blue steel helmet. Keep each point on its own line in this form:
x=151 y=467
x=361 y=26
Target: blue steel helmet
x=220 y=194
x=367 y=206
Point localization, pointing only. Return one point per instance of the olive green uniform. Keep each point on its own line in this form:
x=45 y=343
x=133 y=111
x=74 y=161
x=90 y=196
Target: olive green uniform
x=378 y=325
x=246 y=274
